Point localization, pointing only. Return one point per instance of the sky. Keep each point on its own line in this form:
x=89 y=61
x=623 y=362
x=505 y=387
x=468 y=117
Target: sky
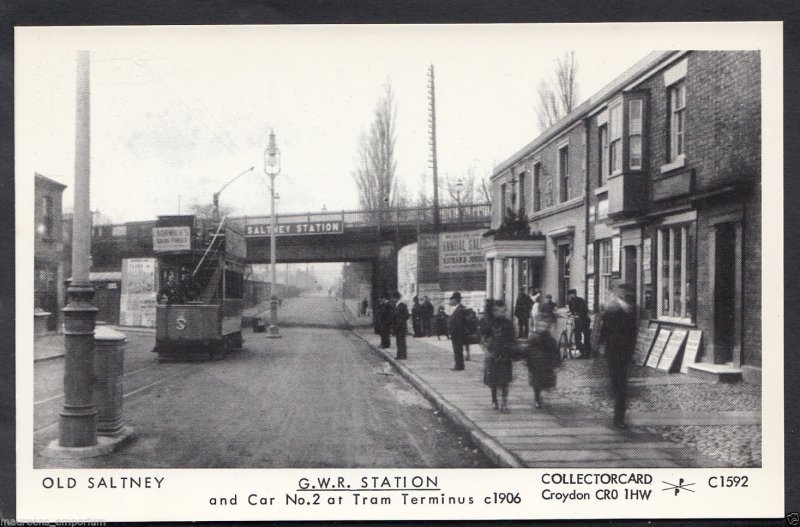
x=179 y=111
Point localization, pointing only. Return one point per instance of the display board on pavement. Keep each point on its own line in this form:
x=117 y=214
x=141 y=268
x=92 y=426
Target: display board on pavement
x=644 y=343
x=671 y=351
x=658 y=348
x=692 y=348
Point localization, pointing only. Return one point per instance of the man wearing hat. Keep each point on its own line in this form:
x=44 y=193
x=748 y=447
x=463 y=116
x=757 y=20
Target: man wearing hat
x=400 y=324
x=618 y=333
x=458 y=328
x=580 y=310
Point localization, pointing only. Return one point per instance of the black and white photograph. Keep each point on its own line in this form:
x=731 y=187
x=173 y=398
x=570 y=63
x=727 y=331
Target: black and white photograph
x=396 y=250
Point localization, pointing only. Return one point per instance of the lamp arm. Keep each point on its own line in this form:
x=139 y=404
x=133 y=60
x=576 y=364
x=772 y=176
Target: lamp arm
x=217 y=193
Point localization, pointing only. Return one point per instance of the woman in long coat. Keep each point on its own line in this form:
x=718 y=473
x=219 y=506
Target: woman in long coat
x=543 y=359
x=497 y=335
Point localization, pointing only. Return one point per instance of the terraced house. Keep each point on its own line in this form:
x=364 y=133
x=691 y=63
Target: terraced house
x=655 y=180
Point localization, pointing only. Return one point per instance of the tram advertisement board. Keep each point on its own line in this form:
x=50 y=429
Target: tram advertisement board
x=234 y=243
x=172 y=239
x=137 y=301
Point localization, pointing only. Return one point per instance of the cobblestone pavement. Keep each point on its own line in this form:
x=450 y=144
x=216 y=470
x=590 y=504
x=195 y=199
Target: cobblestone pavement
x=680 y=398
x=564 y=433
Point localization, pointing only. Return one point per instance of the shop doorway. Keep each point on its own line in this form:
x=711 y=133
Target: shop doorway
x=724 y=292
x=631 y=266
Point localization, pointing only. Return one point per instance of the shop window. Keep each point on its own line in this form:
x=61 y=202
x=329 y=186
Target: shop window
x=677 y=120
x=604 y=271
x=603 y=139
x=673 y=250
x=635 y=134
x=615 y=137
x=537 y=187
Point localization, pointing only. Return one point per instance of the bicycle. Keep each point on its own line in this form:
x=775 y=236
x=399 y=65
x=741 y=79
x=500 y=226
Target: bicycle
x=567 y=347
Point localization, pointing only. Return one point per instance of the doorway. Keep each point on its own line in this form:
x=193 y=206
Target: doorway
x=724 y=292
x=631 y=267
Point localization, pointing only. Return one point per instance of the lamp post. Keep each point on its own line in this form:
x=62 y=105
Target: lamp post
x=459 y=187
x=272 y=167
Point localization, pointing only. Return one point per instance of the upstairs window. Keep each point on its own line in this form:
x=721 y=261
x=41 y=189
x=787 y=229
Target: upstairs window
x=615 y=137
x=563 y=172
x=635 y=134
x=603 y=139
x=503 y=200
x=677 y=124
x=537 y=187
x=522 y=191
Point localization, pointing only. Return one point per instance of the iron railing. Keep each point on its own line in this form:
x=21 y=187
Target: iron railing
x=417 y=216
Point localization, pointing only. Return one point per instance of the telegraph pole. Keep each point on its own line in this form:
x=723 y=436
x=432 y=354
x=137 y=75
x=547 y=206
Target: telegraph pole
x=432 y=142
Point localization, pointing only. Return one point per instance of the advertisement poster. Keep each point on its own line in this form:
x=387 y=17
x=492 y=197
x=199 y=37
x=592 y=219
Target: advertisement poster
x=461 y=251
x=407 y=271
x=172 y=239
x=138 y=294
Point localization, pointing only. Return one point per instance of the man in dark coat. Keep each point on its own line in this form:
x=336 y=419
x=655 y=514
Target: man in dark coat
x=579 y=310
x=385 y=315
x=618 y=333
x=426 y=316
x=458 y=330
x=416 y=317
x=400 y=324
x=522 y=311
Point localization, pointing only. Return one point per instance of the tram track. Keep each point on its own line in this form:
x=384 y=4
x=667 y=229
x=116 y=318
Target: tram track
x=46 y=409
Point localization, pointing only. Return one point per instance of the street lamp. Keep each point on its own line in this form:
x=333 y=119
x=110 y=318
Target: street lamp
x=272 y=167
x=217 y=193
x=459 y=187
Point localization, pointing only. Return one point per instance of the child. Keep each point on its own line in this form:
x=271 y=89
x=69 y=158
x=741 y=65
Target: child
x=441 y=324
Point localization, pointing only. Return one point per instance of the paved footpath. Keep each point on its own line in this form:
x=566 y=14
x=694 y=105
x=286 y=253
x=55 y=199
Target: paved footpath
x=561 y=434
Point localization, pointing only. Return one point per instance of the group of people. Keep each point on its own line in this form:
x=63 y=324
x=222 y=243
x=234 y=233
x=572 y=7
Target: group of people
x=460 y=327
x=533 y=305
x=179 y=288
x=534 y=343
x=540 y=350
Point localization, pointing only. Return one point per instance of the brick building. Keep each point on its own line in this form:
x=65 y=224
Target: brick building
x=48 y=285
x=547 y=182
x=669 y=160
x=675 y=171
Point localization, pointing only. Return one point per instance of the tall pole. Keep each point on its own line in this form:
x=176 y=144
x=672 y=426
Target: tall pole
x=272 y=168
x=77 y=422
x=432 y=141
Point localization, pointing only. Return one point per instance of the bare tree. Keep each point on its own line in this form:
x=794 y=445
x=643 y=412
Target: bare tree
x=485 y=190
x=559 y=95
x=566 y=73
x=376 y=166
x=206 y=210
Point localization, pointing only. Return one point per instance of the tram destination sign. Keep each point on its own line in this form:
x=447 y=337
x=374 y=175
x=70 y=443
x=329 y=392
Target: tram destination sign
x=296 y=228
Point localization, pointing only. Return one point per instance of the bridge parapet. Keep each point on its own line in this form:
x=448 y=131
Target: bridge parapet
x=408 y=217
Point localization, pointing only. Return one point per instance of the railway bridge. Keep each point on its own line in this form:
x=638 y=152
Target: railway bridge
x=373 y=236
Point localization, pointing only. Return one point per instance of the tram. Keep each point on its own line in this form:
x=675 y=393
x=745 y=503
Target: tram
x=201 y=266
